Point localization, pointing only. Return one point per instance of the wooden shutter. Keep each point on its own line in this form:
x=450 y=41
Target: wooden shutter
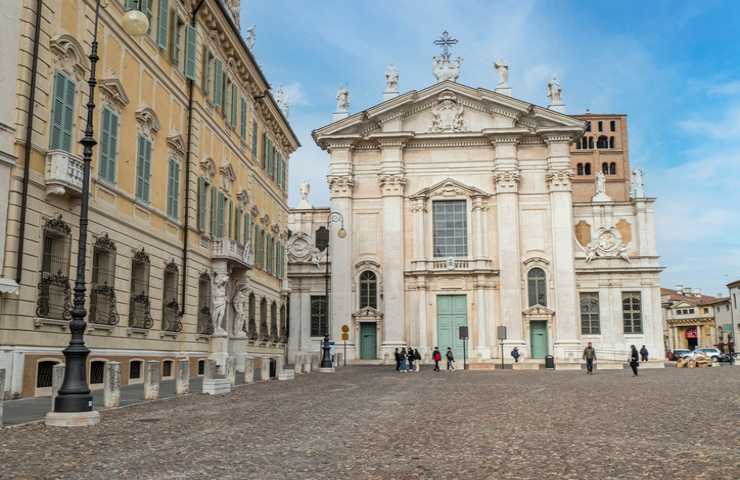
x=162 y=25
x=265 y=149
x=218 y=83
x=233 y=105
x=220 y=220
x=243 y=126
x=190 y=46
x=255 y=136
x=170 y=186
x=147 y=167
x=238 y=226
x=214 y=209
x=201 y=204
x=104 y=142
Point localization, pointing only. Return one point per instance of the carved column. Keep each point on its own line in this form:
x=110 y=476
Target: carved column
x=506 y=177
x=421 y=318
x=561 y=207
x=419 y=210
x=482 y=341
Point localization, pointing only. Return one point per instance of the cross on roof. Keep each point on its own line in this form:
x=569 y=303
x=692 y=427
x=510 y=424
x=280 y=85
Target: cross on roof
x=445 y=41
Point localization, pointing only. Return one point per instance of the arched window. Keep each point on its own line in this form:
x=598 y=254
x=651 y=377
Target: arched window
x=602 y=142
x=579 y=169
x=591 y=142
x=368 y=289
x=605 y=168
x=537 y=287
x=590 y=324
x=273 y=323
x=139 y=316
x=264 y=334
x=97 y=369
x=612 y=168
x=54 y=292
x=611 y=142
x=587 y=169
x=103 y=293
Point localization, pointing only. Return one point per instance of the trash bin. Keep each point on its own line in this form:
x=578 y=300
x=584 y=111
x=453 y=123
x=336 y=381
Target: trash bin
x=550 y=362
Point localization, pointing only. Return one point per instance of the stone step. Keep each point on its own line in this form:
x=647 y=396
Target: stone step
x=482 y=366
x=526 y=366
x=216 y=386
x=287 y=374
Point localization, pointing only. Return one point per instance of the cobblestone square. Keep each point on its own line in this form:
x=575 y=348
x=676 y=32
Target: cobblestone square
x=373 y=423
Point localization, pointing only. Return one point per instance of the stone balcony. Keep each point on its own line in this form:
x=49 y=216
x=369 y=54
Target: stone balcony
x=63 y=175
x=452 y=265
x=231 y=251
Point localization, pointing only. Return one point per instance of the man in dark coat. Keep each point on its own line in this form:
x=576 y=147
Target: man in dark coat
x=589 y=354
x=398 y=360
x=644 y=354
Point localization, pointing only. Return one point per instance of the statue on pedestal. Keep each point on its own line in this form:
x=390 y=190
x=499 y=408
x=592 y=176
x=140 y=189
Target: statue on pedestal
x=503 y=73
x=391 y=79
x=241 y=307
x=219 y=303
x=637 y=184
x=251 y=37
x=342 y=100
x=554 y=91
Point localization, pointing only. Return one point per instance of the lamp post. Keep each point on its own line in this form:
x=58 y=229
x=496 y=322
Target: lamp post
x=74 y=395
x=334 y=217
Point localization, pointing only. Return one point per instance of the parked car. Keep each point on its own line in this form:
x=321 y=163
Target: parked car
x=726 y=358
x=677 y=353
x=711 y=352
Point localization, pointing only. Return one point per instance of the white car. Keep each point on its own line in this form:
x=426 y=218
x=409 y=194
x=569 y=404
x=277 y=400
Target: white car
x=710 y=352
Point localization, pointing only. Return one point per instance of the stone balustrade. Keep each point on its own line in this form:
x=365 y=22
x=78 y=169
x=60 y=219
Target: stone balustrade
x=452 y=264
x=230 y=250
x=63 y=174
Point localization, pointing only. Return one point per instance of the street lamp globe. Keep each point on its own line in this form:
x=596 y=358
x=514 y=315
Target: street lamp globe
x=135 y=23
x=342 y=233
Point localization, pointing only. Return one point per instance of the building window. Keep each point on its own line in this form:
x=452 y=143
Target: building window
x=205 y=326
x=62 y=113
x=602 y=142
x=167 y=369
x=264 y=334
x=587 y=168
x=579 y=169
x=274 y=322
x=143 y=168
x=368 y=289
x=108 y=146
x=202 y=201
x=178 y=41
x=613 y=125
x=632 y=312
x=97 y=372
x=252 y=322
x=591 y=142
x=173 y=190
x=44 y=373
x=201 y=367
x=170 y=308
x=612 y=168
x=103 y=292
x=611 y=142
x=537 y=287
x=139 y=314
x=450 y=228
x=134 y=370
x=588 y=125
x=601 y=126
x=255 y=138
x=319 y=324
x=605 y=168
x=590 y=314
x=54 y=292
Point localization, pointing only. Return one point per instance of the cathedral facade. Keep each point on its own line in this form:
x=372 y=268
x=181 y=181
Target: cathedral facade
x=466 y=207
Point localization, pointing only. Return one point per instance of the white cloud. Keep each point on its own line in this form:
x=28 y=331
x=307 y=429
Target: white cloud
x=726 y=126
x=726 y=88
x=295 y=95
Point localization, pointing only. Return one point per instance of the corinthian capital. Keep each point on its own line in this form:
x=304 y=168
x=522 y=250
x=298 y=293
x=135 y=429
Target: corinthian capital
x=507 y=181
x=340 y=185
x=559 y=180
x=393 y=184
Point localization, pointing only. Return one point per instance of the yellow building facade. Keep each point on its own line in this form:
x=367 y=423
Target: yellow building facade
x=188 y=202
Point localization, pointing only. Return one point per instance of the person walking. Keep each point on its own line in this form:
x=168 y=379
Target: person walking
x=418 y=359
x=515 y=354
x=412 y=359
x=398 y=360
x=450 y=360
x=634 y=359
x=644 y=354
x=404 y=360
x=589 y=354
x=437 y=357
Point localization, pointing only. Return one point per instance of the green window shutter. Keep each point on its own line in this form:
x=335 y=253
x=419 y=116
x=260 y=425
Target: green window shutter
x=284 y=173
x=140 y=169
x=230 y=210
x=218 y=83
x=162 y=19
x=147 y=168
x=255 y=136
x=104 y=141
x=170 y=186
x=214 y=209
x=190 y=46
x=234 y=105
x=176 y=209
x=62 y=115
x=201 y=204
x=238 y=226
x=265 y=149
x=247 y=228
x=221 y=204
x=173 y=189
x=175 y=45
x=279 y=166
x=243 y=119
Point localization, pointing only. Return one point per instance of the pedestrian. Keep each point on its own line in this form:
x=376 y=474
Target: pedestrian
x=398 y=360
x=418 y=359
x=404 y=360
x=412 y=359
x=450 y=360
x=515 y=353
x=437 y=357
x=644 y=354
x=634 y=359
x=589 y=354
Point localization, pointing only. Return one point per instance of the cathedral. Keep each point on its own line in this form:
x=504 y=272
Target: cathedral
x=466 y=218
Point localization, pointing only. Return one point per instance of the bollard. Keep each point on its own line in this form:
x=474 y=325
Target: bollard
x=2 y=394
x=278 y=367
x=338 y=360
x=112 y=384
x=315 y=360
x=249 y=370
x=211 y=369
x=182 y=380
x=307 y=364
x=57 y=378
x=231 y=370
x=151 y=380
x=265 y=369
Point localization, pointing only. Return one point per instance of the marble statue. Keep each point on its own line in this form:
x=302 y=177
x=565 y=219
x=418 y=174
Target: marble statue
x=281 y=99
x=503 y=72
x=600 y=183
x=251 y=37
x=447 y=114
x=304 y=189
x=219 y=303
x=446 y=68
x=391 y=79
x=637 y=184
x=342 y=99
x=241 y=306
x=247 y=253
x=554 y=91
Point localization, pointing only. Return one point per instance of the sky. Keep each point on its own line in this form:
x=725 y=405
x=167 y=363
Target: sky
x=673 y=67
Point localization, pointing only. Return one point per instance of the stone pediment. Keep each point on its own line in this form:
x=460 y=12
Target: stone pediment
x=538 y=311
x=367 y=312
x=449 y=187
x=447 y=109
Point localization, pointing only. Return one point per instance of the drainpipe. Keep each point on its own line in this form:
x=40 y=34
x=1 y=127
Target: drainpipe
x=187 y=179
x=29 y=135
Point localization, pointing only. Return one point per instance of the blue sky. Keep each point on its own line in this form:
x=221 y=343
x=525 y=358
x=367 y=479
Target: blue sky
x=672 y=67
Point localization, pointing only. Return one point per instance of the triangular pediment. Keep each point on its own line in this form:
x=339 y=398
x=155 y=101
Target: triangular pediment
x=538 y=311
x=449 y=108
x=449 y=187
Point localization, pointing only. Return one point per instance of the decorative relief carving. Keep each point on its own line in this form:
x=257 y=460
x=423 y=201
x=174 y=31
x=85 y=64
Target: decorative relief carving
x=228 y=176
x=148 y=121
x=392 y=184
x=608 y=243
x=69 y=55
x=553 y=138
x=559 y=180
x=507 y=181
x=505 y=139
x=447 y=114
x=302 y=249
x=340 y=184
x=208 y=167
x=243 y=198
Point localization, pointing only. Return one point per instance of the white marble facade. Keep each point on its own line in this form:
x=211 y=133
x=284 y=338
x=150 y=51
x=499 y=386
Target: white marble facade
x=509 y=162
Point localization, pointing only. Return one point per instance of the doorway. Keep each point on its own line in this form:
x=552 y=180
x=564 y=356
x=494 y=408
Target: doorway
x=538 y=338
x=452 y=313
x=368 y=341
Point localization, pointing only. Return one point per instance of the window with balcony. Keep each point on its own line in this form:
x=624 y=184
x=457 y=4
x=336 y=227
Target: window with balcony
x=62 y=113
x=139 y=304
x=205 y=326
x=170 y=308
x=368 y=289
x=632 y=312
x=537 y=287
x=102 y=292
x=450 y=228
x=590 y=324
x=53 y=288
x=319 y=319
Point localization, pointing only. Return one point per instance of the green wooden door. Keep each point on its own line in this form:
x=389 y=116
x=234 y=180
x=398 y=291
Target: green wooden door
x=452 y=313
x=538 y=338
x=368 y=345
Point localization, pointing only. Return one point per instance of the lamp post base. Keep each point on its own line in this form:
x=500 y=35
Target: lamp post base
x=72 y=419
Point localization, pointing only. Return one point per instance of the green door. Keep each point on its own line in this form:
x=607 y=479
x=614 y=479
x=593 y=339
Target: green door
x=538 y=337
x=368 y=346
x=452 y=313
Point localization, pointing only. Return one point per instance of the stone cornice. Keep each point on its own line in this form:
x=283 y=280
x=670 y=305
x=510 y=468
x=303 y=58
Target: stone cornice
x=392 y=140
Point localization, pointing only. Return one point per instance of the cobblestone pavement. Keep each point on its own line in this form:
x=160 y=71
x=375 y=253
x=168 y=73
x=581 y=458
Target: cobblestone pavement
x=370 y=422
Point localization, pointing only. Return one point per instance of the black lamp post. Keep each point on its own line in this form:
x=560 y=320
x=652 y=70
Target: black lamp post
x=74 y=394
x=323 y=243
